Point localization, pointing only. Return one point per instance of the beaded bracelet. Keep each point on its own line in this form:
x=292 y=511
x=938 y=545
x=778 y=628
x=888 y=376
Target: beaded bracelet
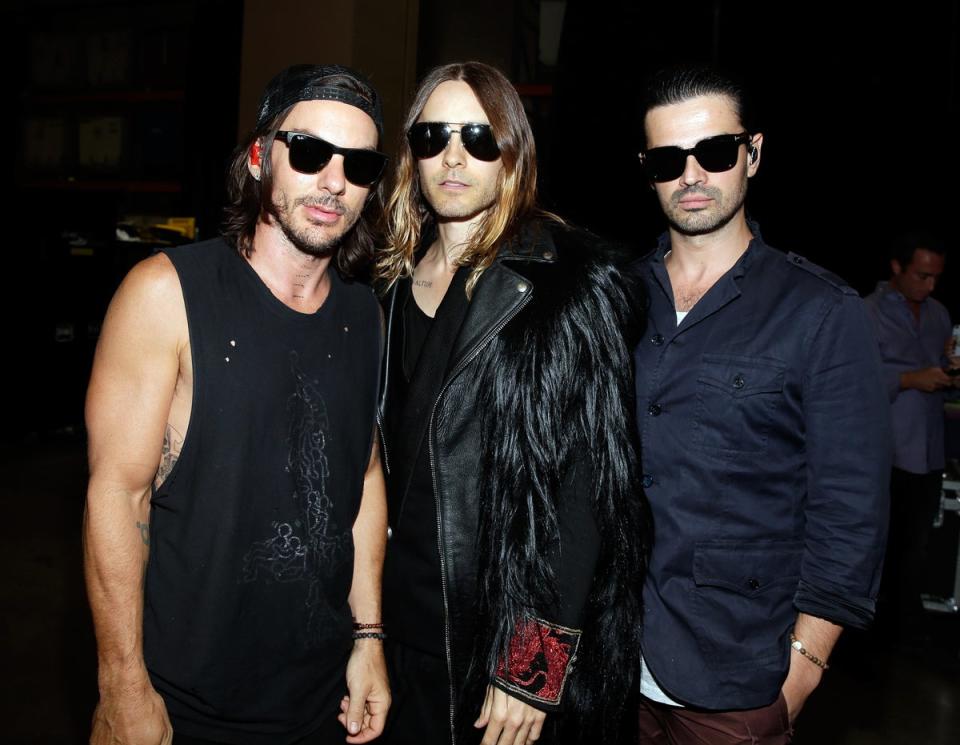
x=369 y=635
x=798 y=645
x=361 y=626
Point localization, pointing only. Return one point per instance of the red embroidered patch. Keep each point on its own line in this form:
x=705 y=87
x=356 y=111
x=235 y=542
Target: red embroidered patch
x=540 y=654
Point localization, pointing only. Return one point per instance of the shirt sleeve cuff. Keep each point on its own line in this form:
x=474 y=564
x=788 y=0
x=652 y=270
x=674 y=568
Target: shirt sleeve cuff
x=540 y=658
x=841 y=609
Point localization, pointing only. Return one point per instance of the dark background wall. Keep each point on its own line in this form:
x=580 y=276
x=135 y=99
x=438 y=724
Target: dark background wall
x=858 y=103
x=120 y=109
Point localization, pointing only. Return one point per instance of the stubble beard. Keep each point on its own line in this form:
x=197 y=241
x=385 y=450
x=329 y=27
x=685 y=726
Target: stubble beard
x=705 y=221
x=313 y=239
x=450 y=208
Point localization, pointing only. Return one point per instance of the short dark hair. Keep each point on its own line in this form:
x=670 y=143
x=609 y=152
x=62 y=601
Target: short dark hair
x=249 y=198
x=681 y=83
x=903 y=247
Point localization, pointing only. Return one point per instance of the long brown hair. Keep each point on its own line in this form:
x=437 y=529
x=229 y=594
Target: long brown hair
x=250 y=200
x=408 y=216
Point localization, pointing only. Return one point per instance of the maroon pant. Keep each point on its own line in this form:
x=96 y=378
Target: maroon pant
x=671 y=725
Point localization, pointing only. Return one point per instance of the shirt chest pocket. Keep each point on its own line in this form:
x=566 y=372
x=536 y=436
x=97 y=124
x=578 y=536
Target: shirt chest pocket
x=737 y=402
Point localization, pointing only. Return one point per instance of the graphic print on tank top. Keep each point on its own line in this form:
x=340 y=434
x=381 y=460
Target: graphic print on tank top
x=312 y=547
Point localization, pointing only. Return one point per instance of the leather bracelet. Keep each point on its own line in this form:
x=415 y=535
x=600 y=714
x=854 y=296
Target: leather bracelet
x=798 y=645
x=368 y=635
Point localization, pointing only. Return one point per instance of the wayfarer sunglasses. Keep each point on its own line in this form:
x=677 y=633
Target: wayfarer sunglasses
x=714 y=154
x=309 y=154
x=428 y=139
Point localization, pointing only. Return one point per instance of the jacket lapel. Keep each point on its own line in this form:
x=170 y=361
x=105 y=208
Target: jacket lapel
x=498 y=295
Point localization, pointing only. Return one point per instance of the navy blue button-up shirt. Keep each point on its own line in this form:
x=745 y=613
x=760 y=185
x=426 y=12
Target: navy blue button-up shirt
x=764 y=424
x=908 y=343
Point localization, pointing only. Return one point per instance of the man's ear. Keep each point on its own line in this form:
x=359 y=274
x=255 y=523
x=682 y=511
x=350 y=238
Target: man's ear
x=754 y=150
x=253 y=160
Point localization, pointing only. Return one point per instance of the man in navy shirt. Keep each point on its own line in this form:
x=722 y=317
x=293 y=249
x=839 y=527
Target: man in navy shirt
x=765 y=433
x=914 y=334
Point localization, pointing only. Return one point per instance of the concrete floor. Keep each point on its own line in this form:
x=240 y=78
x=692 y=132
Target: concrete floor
x=872 y=694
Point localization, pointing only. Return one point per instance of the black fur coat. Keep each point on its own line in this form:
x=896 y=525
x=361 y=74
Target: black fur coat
x=540 y=508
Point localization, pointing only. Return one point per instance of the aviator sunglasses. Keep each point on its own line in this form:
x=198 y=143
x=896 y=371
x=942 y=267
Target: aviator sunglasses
x=428 y=139
x=309 y=154
x=714 y=154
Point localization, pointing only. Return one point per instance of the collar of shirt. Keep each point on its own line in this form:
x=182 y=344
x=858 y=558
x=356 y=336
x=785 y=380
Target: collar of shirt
x=723 y=291
x=893 y=302
x=890 y=294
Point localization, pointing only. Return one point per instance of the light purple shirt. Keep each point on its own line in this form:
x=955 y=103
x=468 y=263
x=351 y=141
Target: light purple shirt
x=910 y=343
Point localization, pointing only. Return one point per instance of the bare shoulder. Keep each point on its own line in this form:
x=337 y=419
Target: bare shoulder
x=135 y=372
x=150 y=300
x=153 y=279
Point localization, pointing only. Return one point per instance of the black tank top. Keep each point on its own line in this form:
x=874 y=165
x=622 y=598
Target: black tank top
x=246 y=621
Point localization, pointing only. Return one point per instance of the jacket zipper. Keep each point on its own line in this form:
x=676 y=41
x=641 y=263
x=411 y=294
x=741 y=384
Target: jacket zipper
x=382 y=399
x=383 y=441
x=433 y=473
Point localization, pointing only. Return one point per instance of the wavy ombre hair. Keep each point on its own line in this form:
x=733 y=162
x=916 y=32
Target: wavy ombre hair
x=407 y=215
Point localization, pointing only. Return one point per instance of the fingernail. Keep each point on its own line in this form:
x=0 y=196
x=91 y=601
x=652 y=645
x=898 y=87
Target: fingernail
x=354 y=728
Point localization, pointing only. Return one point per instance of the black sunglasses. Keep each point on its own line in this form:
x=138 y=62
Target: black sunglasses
x=309 y=154
x=428 y=139
x=714 y=154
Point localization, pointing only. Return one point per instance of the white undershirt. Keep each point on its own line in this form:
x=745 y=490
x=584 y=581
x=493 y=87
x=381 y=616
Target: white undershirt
x=681 y=314
x=650 y=689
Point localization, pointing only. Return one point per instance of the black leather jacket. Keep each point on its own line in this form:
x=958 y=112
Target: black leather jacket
x=532 y=427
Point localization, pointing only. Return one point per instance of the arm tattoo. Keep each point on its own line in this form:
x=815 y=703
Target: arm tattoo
x=172 y=442
x=144 y=532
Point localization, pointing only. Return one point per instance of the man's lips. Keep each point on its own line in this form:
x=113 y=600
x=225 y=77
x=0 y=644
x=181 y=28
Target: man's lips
x=453 y=184
x=695 y=202
x=323 y=214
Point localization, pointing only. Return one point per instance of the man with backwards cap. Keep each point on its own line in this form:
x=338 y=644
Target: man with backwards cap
x=235 y=515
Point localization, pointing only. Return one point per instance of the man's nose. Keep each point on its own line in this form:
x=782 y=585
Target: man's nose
x=332 y=177
x=693 y=172
x=454 y=154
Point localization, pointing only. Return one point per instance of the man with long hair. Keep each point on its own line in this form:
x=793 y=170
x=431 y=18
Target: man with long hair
x=231 y=418
x=510 y=586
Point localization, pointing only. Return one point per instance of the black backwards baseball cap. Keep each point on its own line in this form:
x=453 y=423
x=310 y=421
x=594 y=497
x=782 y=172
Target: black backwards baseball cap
x=304 y=83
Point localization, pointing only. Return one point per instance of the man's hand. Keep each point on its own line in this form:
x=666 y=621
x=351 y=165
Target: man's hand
x=131 y=717
x=950 y=350
x=928 y=380
x=364 y=711
x=802 y=678
x=818 y=636
x=509 y=721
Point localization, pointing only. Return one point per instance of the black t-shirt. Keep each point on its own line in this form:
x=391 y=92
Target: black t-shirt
x=416 y=326
x=412 y=585
x=246 y=621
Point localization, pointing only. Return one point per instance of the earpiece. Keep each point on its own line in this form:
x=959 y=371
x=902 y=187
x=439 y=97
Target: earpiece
x=255 y=153
x=753 y=154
